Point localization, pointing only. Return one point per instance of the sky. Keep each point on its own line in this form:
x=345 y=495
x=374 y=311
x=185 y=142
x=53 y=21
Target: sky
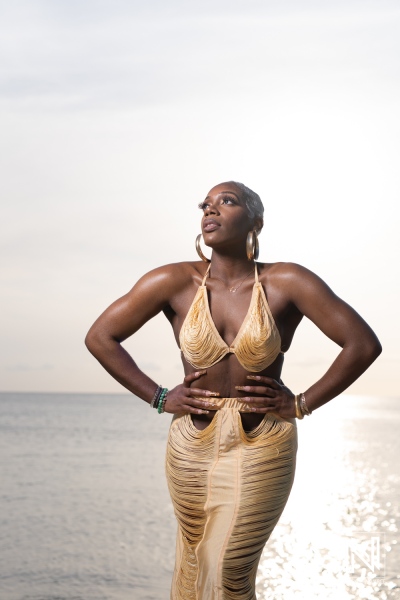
x=118 y=117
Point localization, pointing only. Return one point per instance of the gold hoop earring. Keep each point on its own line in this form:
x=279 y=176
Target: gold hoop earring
x=252 y=246
x=199 y=250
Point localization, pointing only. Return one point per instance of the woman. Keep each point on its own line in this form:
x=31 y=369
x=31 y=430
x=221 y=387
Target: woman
x=232 y=443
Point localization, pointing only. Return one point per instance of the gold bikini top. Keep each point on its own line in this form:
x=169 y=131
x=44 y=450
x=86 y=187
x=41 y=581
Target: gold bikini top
x=256 y=345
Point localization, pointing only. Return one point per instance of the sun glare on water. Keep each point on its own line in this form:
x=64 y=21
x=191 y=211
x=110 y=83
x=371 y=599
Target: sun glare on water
x=338 y=534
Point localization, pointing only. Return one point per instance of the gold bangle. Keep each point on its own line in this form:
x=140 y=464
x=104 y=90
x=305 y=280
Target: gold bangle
x=299 y=414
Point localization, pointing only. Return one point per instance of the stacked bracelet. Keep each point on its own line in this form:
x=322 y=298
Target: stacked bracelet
x=303 y=406
x=156 y=397
x=159 y=399
x=162 y=400
x=300 y=406
x=299 y=414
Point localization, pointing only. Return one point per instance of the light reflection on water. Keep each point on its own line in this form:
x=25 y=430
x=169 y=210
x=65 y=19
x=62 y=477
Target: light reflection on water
x=347 y=489
x=85 y=511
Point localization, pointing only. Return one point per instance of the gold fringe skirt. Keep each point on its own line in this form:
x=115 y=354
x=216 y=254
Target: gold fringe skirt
x=228 y=489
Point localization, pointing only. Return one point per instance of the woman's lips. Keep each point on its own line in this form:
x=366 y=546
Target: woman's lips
x=210 y=226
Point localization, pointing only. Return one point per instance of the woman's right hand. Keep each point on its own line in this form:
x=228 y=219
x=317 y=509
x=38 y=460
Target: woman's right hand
x=184 y=399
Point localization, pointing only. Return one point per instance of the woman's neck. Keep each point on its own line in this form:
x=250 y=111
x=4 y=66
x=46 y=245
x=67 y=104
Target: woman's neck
x=230 y=268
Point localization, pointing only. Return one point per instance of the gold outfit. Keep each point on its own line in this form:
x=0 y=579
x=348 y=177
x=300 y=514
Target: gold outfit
x=256 y=345
x=228 y=487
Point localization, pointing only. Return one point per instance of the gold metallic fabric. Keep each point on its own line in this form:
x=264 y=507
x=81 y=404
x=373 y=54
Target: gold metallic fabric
x=228 y=489
x=256 y=345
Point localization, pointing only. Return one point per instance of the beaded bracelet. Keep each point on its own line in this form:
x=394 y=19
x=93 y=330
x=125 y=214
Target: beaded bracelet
x=160 y=398
x=156 y=396
x=161 y=404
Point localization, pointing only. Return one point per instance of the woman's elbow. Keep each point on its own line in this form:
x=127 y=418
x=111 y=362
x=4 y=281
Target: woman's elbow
x=89 y=342
x=93 y=340
x=364 y=348
x=376 y=350
x=372 y=349
x=99 y=341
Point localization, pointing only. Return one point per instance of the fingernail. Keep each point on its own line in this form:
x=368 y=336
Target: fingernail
x=239 y=387
x=207 y=404
x=206 y=412
x=197 y=373
x=257 y=377
x=253 y=409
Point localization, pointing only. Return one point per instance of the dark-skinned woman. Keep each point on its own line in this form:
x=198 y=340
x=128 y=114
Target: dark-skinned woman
x=232 y=443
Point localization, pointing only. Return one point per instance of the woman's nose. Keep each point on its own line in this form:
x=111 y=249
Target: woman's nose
x=211 y=209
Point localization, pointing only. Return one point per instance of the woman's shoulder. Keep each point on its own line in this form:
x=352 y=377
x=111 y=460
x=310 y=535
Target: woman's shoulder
x=177 y=274
x=282 y=269
x=295 y=282
x=288 y=273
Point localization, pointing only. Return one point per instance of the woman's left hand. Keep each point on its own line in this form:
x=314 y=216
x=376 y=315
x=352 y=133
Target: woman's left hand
x=272 y=396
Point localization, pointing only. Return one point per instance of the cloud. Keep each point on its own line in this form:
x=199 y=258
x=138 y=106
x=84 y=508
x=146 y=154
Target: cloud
x=69 y=56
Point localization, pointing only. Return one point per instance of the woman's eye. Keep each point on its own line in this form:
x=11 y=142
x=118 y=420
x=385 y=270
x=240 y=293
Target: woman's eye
x=224 y=200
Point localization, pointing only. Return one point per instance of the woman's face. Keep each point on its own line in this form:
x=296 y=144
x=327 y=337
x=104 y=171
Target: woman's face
x=225 y=217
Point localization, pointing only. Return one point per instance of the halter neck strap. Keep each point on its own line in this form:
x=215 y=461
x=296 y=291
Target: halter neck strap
x=205 y=276
x=209 y=267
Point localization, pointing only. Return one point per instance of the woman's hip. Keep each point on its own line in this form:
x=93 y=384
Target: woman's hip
x=226 y=433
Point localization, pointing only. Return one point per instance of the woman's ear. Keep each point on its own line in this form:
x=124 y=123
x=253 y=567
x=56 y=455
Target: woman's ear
x=258 y=224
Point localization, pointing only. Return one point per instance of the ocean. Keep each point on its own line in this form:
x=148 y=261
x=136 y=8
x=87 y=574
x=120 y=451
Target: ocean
x=85 y=511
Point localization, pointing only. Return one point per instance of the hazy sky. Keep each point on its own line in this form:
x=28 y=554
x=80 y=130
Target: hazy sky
x=118 y=117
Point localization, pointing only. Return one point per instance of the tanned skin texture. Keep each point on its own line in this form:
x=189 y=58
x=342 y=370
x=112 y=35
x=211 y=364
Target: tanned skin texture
x=292 y=292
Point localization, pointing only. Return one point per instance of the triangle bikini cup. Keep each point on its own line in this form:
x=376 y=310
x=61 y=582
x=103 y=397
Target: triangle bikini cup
x=256 y=345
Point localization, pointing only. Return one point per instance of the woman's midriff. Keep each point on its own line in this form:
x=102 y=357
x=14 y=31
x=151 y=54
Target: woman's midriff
x=222 y=378
x=249 y=421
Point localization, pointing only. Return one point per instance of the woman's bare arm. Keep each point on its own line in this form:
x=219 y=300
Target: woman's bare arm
x=343 y=325
x=149 y=296
x=122 y=319
x=313 y=298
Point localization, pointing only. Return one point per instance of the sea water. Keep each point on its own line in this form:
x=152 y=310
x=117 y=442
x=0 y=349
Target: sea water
x=85 y=511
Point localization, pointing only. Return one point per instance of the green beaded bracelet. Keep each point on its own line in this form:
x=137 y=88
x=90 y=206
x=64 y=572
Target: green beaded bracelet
x=162 y=402
x=161 y=398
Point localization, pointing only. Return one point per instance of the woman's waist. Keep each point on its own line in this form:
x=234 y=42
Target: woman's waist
x=225 y=383
x=218 y=403
x=234 y=403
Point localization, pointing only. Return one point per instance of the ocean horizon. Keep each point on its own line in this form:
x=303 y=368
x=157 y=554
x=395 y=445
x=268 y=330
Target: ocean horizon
x=86 y=514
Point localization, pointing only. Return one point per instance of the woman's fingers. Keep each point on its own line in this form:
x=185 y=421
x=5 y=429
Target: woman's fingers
x=263 y=409
x=200 y=403
x=260 y=405
x=259 y=401
x=268 y=381
x=256 y=403
x=195 y=411
x=192 y=377
x=257 y=389
x=187 y=399
x=198 y=392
